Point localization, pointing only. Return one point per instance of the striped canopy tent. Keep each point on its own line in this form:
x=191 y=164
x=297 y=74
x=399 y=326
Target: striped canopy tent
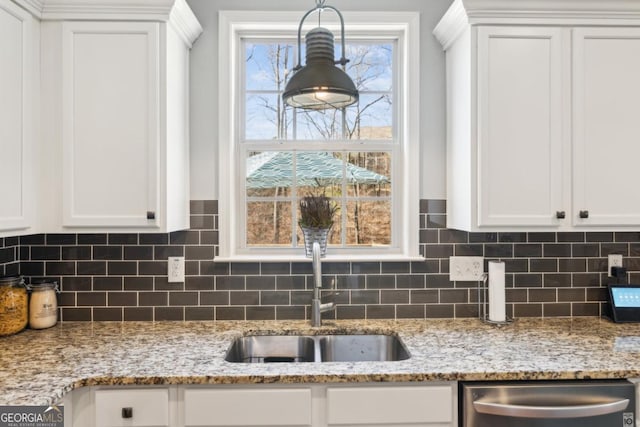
x=274 y=169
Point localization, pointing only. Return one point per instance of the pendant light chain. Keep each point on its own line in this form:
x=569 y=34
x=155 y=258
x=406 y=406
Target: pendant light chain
x=320 y=8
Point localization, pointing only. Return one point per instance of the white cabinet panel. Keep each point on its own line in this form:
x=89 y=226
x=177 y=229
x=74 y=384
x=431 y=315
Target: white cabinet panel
x=94 y=116
x=390 y=405
x=110 y=123
x=543 y=113
x=148 y=408
x=520 y=126
x=606 y=125
x=18 y=74
x=257 y=406
x=426 y=404
x=506 y=131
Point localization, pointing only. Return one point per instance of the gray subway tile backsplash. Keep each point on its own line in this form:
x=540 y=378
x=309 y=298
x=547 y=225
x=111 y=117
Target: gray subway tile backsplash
x=9 y=256
x=122 y=277
x=107 y=314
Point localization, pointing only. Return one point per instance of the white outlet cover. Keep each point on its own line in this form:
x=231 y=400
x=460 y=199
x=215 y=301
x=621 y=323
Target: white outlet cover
x=466 y=268
x=175 y=269
x=615 y=260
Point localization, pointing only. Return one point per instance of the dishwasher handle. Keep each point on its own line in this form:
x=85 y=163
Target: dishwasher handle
x=569 y=411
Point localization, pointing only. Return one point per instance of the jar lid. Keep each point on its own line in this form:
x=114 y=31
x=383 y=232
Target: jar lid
x=11 y=280
x=40 y=286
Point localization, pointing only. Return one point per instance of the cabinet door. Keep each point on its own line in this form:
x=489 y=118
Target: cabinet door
x=606 y=126
x=132 y=408
x=17 y=76
x=251 y=406
x=110 y=124
x=520 y=132
x=390 y=405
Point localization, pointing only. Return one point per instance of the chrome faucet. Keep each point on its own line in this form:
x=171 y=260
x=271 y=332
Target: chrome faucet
x=317 y=308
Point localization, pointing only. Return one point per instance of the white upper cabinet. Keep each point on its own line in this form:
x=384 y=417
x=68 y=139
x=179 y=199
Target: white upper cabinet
x=18 y=118
x=606 y=125
x=542 y=115
x=519 y=125
x=111 y=124
x=115 y=114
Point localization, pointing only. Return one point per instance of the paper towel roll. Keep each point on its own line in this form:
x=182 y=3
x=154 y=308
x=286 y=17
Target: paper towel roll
x=497 y=300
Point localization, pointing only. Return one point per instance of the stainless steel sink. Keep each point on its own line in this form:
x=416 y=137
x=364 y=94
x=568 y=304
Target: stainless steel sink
x=271 y=348
x=319 y=348
x=362 y=348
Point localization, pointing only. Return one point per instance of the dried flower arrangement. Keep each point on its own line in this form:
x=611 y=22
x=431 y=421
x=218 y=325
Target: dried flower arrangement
x=317 y=211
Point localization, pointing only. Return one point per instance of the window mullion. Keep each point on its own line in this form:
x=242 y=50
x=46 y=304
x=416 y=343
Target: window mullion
x=294 y=199
x=345 y=211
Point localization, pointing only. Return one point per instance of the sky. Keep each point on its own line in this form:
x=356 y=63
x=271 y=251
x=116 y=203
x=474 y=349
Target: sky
x=370 y=67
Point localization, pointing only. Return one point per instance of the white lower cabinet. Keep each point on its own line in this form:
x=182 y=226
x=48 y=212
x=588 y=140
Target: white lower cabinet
x=318 y=405
x=139 y=408
x=121 y=406
x=390 y=406
x=247 y=406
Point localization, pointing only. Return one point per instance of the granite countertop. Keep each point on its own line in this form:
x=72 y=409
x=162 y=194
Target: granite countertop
x=39 y=367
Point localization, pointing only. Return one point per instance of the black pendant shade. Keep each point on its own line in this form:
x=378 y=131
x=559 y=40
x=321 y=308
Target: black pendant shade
x=320 y=84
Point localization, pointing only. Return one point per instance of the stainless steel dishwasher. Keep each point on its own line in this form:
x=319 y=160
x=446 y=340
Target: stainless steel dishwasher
x=597 y=403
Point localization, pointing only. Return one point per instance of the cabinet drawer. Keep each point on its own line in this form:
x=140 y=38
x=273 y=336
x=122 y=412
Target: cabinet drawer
x=389 y=405
x=264 y=407
x=149 y=408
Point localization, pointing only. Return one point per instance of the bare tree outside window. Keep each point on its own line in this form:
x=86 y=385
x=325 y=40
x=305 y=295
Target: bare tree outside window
x=359 y=180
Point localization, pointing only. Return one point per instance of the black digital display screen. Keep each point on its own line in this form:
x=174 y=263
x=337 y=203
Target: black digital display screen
x=625 y=296
x=624 y=303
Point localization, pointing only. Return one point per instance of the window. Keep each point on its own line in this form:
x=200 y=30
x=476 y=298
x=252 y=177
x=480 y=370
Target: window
x=364 y=157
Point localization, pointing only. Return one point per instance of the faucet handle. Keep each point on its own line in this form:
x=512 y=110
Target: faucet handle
x=331 y=294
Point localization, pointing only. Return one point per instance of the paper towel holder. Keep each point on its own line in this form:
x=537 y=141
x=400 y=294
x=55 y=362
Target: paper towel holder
x=483 y=312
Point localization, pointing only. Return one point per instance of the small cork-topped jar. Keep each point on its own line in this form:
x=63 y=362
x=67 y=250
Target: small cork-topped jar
x=14 y=308
x=43 y=305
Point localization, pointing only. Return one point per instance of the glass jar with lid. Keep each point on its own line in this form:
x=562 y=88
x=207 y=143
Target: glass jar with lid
x=14 y=306
x=43 y=305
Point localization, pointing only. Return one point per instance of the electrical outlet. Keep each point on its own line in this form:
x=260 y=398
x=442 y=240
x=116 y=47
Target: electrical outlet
x=466 y=268
x=176 y=269
x=615 y=260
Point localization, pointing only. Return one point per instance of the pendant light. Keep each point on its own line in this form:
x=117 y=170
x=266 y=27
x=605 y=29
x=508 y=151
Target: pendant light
x=320 y=84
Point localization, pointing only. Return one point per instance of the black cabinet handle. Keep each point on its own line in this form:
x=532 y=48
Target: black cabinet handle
x=561 y=214
x=127 y=412
x=584 y=214
x=151 y=215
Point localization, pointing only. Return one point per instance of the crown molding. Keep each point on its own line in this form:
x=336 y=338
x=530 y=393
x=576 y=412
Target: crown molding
x=463 y=13
x=451 y=25
x=601 y=8
x=185 y=22
x=175 y=12
x=32 y=6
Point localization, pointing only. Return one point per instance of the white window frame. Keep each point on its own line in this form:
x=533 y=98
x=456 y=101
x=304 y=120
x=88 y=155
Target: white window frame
x=405 y=185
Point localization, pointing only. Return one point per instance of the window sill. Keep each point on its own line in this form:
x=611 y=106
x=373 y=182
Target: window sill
x=328 y=258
